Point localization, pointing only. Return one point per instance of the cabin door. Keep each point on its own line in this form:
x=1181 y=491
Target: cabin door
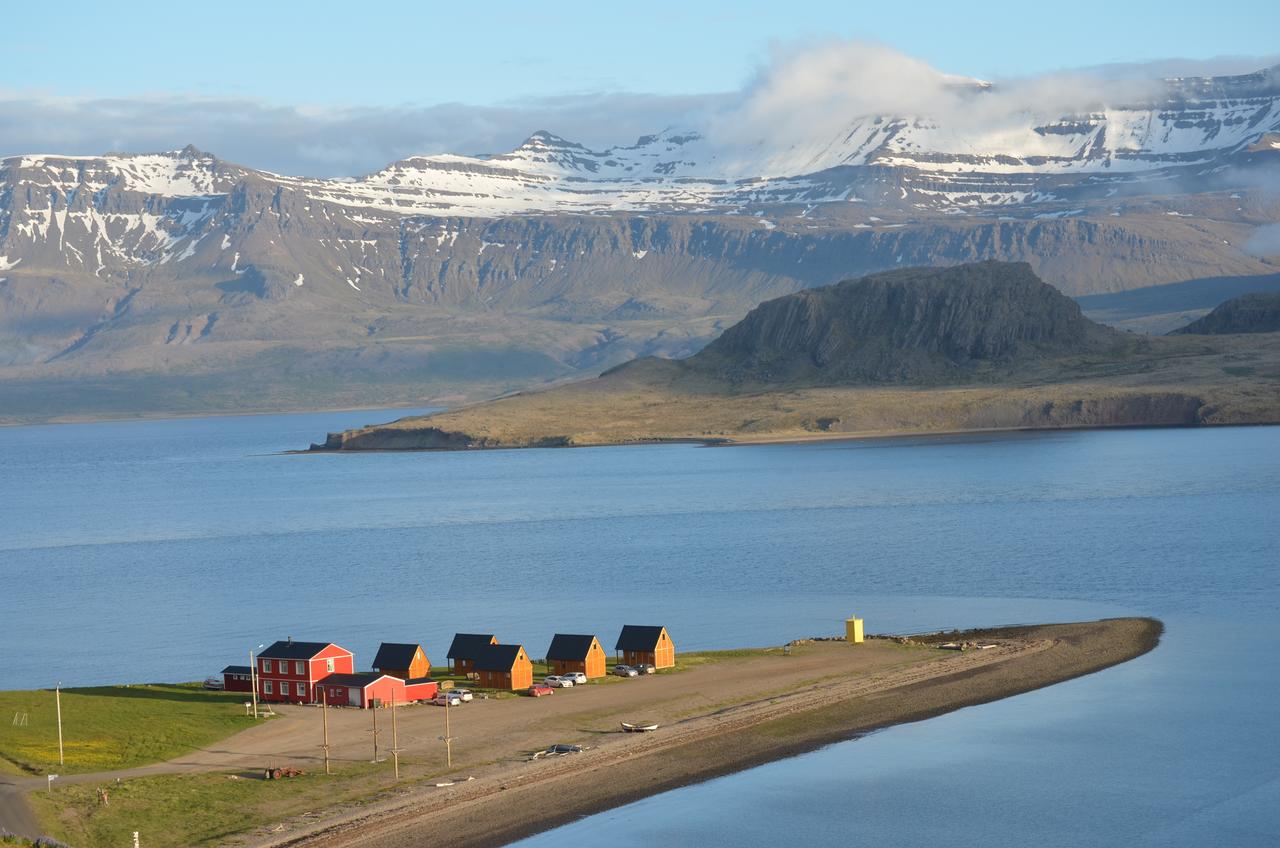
x=355 y=697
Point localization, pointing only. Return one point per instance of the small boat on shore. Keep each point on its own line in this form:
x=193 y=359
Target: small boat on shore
x=638 y=728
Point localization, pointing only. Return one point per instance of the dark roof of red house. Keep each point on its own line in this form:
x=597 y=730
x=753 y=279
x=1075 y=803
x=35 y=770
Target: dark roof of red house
x=468 y=645
x=237 y=669
x=359 y=680
x=637 y=637
x=497 y=657
x=414 y=681
x=291 y=650
x=570 y=646
x=395 y=655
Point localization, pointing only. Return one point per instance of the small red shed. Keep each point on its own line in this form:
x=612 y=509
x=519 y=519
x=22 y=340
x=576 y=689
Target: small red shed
x=370 y=690
x=237 y=678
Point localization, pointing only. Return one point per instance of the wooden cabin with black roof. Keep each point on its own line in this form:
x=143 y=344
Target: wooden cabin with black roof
x=402 y=659
x=465 y=648
x=574 y=652
x=503 y=667
x=645 y=644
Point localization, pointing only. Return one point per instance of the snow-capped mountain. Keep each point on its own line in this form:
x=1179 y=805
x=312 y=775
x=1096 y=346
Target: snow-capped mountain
x=118 y=259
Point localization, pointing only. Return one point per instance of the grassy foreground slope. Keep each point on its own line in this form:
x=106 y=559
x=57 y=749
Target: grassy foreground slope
x=113 y=727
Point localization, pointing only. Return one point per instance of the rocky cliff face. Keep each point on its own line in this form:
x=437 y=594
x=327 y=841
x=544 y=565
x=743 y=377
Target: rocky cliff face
x=1250 y=313
x=912 y=325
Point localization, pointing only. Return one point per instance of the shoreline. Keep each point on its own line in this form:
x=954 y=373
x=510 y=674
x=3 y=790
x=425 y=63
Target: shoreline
x=787 y=439
x=518 y=801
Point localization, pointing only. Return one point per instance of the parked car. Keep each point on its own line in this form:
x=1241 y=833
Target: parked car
x=464 y=694
x=624 y=670
x=213 y=683
x=645 y=668
x=537 y=690
x=447 y=699
x=558 y=681
x=578 y=678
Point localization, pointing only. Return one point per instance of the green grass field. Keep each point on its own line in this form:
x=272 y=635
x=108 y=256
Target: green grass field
x=176 y=811
x=111 y=727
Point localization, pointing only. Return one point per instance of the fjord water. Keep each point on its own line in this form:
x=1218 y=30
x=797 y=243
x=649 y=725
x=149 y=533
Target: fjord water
x=167 y=549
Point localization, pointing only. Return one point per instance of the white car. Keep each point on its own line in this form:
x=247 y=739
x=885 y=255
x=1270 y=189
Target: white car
x=447 y=699
x=578 y=678
x=464 y=694
x=558 y=681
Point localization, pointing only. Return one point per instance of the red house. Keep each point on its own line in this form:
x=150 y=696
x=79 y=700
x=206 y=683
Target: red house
x=288 y=671
x=373 y=690
x=237 y=678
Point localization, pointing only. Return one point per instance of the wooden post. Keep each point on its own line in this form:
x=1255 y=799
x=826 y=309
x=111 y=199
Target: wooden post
x=395 y=738
x=448 y=738
x=374 y=710
x=57 y=698
x=324 y=714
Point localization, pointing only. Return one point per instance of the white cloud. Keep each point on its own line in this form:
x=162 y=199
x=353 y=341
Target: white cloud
x=805 y=92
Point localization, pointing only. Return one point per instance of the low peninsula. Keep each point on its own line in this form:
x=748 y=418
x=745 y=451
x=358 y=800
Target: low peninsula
x=978 y=347
x=716 y=712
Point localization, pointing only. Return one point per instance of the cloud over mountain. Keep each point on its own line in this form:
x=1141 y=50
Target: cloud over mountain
x=804 y=91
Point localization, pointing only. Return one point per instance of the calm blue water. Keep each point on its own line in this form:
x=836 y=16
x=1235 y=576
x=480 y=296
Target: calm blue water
x=167 y=549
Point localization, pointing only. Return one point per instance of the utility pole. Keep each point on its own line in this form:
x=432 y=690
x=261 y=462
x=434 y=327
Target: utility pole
x=395 y=738
x=253 y=681
x=374 y=710
x=448 y=738
x=324 y=714
x=57 y=700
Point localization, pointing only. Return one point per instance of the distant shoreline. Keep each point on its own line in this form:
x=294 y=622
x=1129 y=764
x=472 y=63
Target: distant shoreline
x=521 y=802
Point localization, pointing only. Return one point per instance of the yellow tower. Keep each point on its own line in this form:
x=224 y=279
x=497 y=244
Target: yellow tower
x=853 y=631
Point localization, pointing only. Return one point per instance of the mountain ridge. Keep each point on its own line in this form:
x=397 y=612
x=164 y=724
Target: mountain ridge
x=185 y=265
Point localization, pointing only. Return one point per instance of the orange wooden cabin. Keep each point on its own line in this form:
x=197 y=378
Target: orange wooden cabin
x=465 y=648
x=504 y=667
x=643 y=644
x=572 y=652
x=403 y=660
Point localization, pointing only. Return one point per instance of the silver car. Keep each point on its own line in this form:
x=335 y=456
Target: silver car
x=624 y=670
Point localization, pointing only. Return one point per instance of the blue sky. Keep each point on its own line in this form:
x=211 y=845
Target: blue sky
x=485 y=53
x=329 y=89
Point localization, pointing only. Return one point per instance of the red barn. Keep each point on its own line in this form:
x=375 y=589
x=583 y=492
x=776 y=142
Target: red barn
x=288 y=671
x=373 y=690
x=237 y=678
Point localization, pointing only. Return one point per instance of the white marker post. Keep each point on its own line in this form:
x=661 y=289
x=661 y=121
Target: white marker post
x=51 y=778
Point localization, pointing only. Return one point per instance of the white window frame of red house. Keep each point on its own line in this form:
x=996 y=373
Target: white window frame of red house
x=328 y=665
x=267 y=688
x=299 y=667
x=266 y=666
x=301 y=689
